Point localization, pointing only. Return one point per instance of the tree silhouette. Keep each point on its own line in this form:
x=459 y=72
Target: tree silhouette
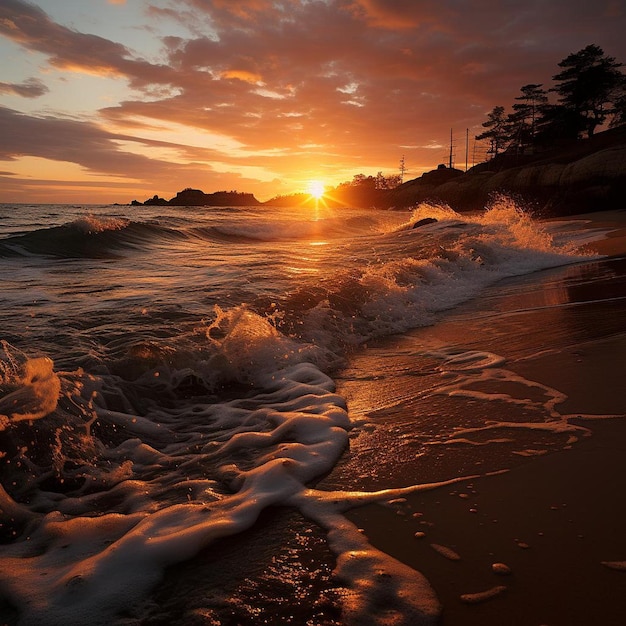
x=587 y=87
x=527 y=110
x=497 y=130
x=591 y=89
x=557 y=122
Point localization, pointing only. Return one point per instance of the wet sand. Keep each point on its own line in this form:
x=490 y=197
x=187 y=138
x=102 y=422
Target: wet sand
x=555 y=520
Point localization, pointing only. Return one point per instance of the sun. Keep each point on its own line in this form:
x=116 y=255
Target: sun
x=316 y=189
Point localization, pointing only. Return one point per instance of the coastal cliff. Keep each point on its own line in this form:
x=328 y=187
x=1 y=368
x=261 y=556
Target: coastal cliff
x=574 y=177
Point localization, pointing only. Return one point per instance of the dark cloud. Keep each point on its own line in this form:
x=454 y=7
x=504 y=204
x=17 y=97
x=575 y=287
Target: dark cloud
x=406 y=54
x=100 y=152
x=86 y=144
x=69 y=140
x=30 y=88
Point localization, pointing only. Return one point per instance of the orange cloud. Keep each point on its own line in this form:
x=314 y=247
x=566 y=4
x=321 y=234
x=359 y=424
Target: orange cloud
x=248 y=77
x=336 y=87
x=245 y=9
x=389 y=14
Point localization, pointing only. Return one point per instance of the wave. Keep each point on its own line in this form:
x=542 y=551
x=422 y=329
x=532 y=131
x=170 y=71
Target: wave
x=432 y=263
x=102 y=498
x=87 y=237
x=104 y=237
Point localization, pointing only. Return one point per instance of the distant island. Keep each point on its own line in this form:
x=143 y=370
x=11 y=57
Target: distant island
x=570 y=176
x=195 y=197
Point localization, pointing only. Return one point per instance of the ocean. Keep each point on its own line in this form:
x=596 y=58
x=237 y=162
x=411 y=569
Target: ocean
x=186 y=417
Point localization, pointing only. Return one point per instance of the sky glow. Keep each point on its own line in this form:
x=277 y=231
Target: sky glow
x=120 y=100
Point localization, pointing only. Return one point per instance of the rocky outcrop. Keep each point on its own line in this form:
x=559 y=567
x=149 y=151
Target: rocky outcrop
x=156 y=201
x=587 y=176
x=196 y=197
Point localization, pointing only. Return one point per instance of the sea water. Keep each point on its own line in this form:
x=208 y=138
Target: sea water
x=168 y=392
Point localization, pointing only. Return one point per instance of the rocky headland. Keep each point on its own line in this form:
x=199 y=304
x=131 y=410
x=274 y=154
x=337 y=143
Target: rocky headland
x=573 y=177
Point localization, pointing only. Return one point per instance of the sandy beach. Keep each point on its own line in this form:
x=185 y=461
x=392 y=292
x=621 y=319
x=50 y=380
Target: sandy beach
x=541 y=542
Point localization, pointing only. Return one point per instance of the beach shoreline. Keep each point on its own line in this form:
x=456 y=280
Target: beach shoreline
x=556 y=523
x=553 y=517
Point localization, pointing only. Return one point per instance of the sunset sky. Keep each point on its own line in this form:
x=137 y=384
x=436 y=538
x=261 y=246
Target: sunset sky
x=110 y=100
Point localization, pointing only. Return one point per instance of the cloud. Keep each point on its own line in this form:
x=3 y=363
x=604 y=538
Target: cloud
x=394 y=14
x=117 y=156
x=67 y=49
x=30 y=88
x=82 y=142
x=331 y=85
x=61 y=139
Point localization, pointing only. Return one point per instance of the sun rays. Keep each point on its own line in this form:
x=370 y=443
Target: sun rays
x=316 y=189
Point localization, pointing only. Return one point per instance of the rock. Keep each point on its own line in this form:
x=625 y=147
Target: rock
x=196 y=197
x=424 y=222
x=446 y=552
x=189 y=197
x=483 y=596
x=156 y=201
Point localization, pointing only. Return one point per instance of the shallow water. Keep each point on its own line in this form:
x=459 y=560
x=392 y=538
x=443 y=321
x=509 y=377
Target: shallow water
x=169 y=377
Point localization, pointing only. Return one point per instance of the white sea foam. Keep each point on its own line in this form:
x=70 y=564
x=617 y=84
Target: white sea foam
x=90 y=224
x=30 y=388
x=479 y=376
x=93 y=566
x=78 y=564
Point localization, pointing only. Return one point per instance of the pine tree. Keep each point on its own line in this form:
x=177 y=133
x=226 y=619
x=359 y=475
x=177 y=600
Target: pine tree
x=526 y=112
x=497 y=130
x=586 y=86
